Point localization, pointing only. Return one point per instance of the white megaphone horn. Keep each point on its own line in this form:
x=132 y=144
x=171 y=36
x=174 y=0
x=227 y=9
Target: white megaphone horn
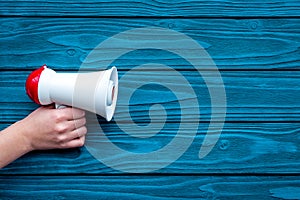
x=92 y=91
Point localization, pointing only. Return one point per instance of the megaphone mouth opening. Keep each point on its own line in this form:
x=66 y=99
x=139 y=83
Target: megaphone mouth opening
x=112 y=93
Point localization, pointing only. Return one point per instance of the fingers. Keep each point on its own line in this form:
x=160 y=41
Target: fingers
x=69 y=113
x=75 y=124
x=78 y=142
x=77 y=133
x=77 y=113
x=72 y=127
x=72 y=139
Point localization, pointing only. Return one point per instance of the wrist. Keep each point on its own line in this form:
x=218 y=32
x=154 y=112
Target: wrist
x=23 y=135
x=13 y=143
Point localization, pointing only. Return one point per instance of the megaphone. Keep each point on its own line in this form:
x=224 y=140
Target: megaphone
x=92 y=91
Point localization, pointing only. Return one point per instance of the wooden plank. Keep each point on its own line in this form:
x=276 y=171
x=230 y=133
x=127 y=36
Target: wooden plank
x=150 y=187
x=242 y=148
x=251 y=96
x=184 y=8
x=64 y=43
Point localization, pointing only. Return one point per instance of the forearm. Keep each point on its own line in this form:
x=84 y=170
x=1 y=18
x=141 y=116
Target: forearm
x=13 y=143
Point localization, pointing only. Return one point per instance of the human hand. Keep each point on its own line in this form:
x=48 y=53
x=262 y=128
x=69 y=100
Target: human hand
x=49 y=128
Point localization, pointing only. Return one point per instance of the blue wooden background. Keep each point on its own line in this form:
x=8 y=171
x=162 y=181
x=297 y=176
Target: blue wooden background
x=256 y=46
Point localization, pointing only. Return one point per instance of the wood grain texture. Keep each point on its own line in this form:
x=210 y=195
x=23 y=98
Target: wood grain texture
x=257 y=155
x=251 y=96
x=191 y=8
x=242 y=148
x=150 y=187
x=64 y=43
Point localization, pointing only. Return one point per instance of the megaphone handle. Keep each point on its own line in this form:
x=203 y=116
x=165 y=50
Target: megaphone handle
x=59 y=106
